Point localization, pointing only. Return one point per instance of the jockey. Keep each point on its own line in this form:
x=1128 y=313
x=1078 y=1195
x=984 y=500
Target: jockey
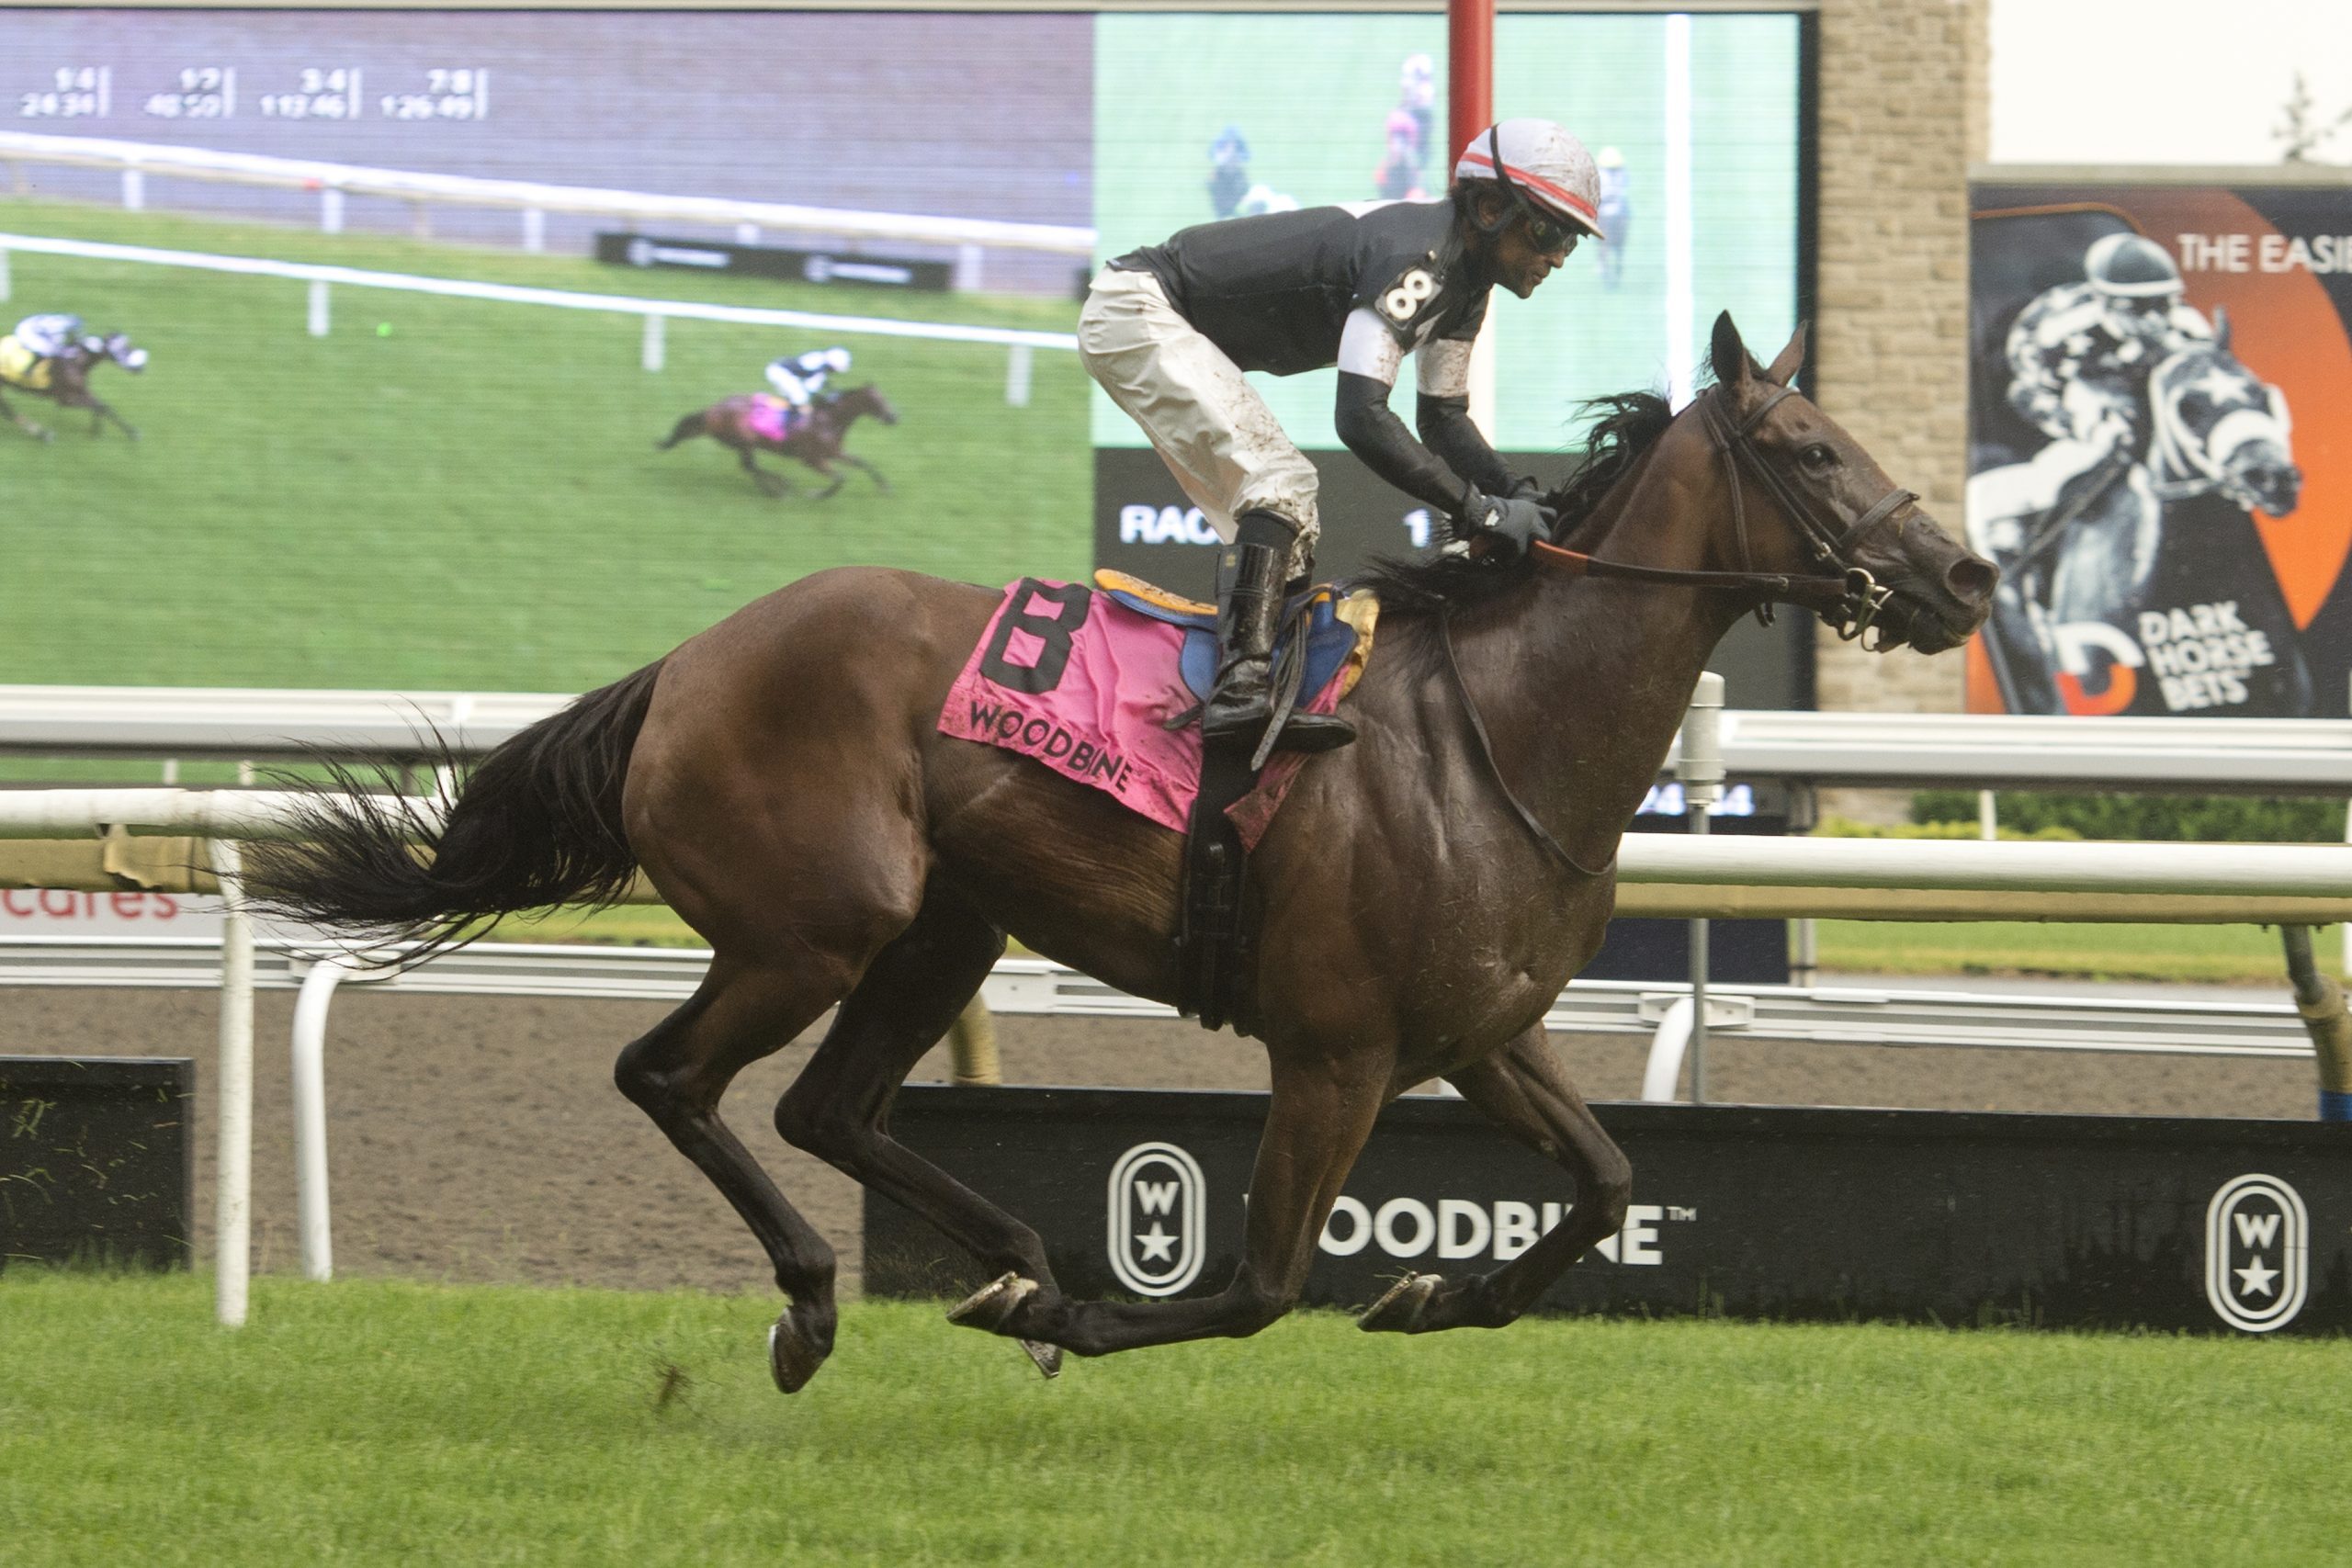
x=49 y=335
x=1169 y=329
x=2080 y=355
x=1398 y=178
x=798 y=378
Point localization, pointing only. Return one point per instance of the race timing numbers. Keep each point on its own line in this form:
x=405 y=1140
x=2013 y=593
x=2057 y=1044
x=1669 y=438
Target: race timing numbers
x=72 y=92
x=217 y=92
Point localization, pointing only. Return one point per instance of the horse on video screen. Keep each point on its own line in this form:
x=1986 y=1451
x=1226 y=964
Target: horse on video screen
x=1417 y=905
x=2091 y=552
x=65 y=378
x=761 y=422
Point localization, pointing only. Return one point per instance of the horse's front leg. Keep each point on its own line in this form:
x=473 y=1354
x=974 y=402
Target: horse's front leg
x=867 y=468
x=1321 y=1113
x=101 y=411
x=1524 y=1088
x=823 y=466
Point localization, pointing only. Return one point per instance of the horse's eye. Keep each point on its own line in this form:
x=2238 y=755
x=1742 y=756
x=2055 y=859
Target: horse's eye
x=1817 y=456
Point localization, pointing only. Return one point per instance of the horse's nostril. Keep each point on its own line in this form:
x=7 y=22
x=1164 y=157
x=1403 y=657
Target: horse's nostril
x=1971 y=580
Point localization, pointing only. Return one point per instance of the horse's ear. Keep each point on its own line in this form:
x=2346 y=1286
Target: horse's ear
x=1728 y=355
x=2222 y=327
x=1790 y=360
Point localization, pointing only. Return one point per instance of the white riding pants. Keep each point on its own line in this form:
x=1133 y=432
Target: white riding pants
x=1210 y=426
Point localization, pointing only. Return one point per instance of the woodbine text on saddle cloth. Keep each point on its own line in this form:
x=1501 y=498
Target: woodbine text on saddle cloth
x=1085 y=682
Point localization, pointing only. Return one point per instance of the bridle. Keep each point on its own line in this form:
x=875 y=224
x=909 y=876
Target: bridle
x=1830 y=540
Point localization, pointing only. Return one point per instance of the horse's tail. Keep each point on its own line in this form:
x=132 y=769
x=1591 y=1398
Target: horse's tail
x=686 y=429
x=537 y=823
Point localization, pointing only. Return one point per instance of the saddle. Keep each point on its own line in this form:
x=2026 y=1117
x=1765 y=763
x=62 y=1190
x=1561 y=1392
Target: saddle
x=20 y=367
x=1214 y=950
x=773 y=419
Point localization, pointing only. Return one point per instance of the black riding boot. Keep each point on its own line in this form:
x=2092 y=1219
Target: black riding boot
x=1241 y=702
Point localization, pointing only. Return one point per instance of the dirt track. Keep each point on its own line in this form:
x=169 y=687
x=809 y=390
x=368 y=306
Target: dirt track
x=482 y=1139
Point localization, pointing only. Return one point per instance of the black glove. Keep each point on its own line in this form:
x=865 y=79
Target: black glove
x=1518 y=521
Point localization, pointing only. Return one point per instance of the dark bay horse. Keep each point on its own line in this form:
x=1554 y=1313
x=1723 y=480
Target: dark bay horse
x=64 y=379
x=782 y=781
x=746 y=424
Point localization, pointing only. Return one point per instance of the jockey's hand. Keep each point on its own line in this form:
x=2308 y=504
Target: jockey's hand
x=2110 y=434
x=1515 y=521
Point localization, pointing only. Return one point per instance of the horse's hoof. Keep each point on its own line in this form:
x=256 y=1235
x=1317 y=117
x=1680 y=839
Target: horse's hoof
x=1399 y=1312
x=793 y=1357
x=993 y=1302
x=1047 y=1357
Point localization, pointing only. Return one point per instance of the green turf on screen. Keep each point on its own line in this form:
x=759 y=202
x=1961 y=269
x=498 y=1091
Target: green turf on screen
x=472 y=499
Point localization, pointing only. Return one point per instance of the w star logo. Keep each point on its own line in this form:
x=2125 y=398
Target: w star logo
x=2257 y=1253
x=1159 y=1206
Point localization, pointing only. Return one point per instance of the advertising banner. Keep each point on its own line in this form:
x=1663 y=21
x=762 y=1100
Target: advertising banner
x=2155 y=459
x=1739 y=1211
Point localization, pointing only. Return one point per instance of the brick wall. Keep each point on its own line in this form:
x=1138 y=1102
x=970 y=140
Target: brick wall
x=1902 y=113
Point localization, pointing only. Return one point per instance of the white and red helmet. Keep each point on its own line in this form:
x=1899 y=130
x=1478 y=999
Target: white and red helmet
x=1544 y=164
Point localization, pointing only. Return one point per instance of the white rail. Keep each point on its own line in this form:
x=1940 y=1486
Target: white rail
x=144 y=158
x=1896 y=750
x=1020 y=342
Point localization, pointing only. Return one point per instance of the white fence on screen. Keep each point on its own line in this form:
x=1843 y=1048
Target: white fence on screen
x=138 y=160
x=1020 y=342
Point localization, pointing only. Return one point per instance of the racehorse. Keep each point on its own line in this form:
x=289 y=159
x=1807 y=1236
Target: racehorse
x=1421 y=899
x=2087 y=551
x=754 y=422
x=65 y=378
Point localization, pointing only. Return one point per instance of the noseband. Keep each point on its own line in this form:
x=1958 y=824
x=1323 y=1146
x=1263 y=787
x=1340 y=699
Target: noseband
x=1831 y=542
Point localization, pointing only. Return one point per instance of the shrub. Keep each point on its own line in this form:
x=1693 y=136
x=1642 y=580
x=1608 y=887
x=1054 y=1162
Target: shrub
x=2192 y=818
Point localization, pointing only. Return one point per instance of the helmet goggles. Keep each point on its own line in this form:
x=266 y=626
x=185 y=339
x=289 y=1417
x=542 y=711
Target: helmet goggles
x=1551 y=235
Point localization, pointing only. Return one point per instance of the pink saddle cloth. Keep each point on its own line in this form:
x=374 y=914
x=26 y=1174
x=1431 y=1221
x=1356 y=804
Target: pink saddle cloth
x=1075 y=680
x=773 y=419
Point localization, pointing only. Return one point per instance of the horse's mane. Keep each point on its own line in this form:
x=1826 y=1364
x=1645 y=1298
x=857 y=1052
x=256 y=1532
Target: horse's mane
x=1628 y=425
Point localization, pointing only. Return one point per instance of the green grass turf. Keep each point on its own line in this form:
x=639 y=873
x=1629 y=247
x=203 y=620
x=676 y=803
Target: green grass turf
x=396 y=1423
x=471 y=499
x=2206 y=954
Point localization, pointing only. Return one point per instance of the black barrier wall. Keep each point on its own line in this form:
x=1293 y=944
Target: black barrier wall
x=1742 y=1212
x=96 y=1161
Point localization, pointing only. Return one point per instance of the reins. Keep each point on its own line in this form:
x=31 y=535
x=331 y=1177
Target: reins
x=1856 y=608
x=1863 y=596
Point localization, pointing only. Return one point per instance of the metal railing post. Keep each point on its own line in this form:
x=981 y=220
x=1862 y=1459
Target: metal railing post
x=233 y=1194
x=1699 y=766
x=309 y=1081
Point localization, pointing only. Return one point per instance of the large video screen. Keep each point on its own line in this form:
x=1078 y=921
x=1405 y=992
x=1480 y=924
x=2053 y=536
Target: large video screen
x=453 y=330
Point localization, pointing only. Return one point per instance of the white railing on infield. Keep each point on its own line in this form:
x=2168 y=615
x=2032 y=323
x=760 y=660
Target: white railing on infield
x=1020 y=343
x=533 y=200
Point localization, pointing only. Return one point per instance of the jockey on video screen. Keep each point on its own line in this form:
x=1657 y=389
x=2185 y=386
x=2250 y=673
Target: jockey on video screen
x=1399 y=177
x=798 y=378
x=1169 y=329
x=2080 y=355
x=49 y=335
x=1229 y=171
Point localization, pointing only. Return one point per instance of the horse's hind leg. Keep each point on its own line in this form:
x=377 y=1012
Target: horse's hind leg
x=909 y=994
x=1523 y=1087
x=676 y=1075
